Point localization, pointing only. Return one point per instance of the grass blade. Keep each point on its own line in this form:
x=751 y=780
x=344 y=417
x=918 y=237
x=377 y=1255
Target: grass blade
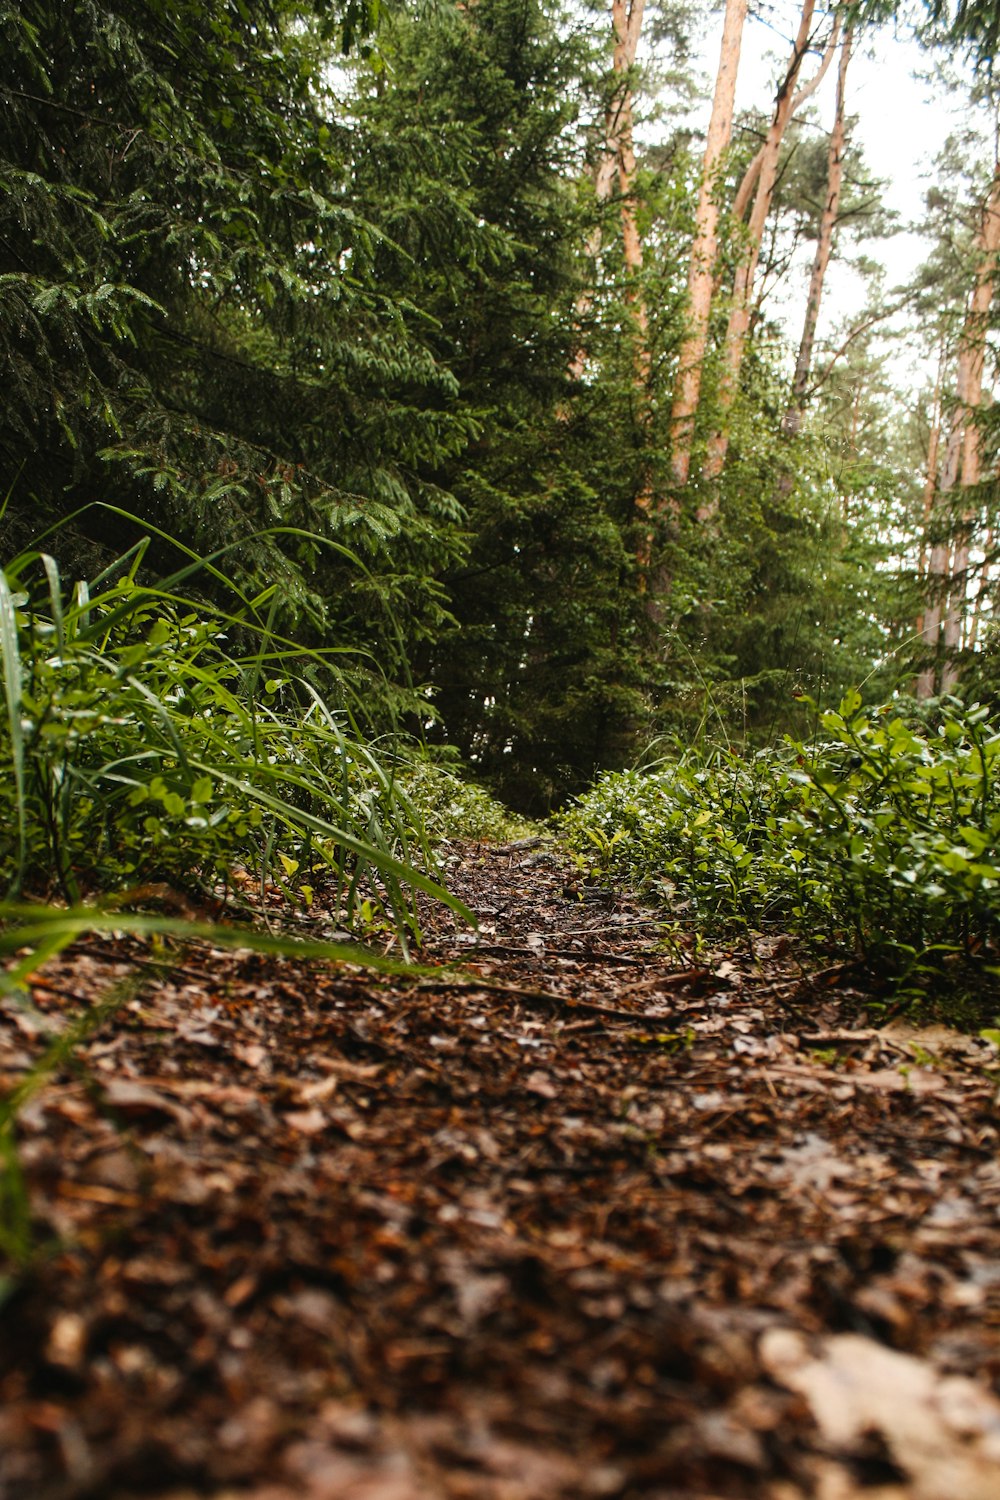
x=10 y=660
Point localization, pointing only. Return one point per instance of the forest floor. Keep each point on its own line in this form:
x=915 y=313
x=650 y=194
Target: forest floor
x=596 y=1220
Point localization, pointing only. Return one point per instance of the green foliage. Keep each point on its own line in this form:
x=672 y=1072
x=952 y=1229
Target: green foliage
x=472 y=159
x=689 y=833
x=803 y=591
x=142 y=744
x=265 y=298
x=970 y=25
x=192 y=314
x=881 y=833
x=454 y=808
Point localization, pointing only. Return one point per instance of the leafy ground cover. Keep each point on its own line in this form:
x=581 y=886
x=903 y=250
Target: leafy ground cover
x=880 y=835
x=604 y=1217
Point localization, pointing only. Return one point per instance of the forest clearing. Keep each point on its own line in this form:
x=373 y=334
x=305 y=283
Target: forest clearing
x=499 y=752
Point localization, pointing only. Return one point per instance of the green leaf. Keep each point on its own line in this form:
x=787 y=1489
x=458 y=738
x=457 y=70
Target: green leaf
x=160 y=634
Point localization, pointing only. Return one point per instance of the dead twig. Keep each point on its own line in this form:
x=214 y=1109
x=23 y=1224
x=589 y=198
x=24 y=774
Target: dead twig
x=589 y=957
x=555 y=1002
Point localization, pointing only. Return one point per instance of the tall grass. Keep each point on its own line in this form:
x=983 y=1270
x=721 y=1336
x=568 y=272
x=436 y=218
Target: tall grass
x=152 y=736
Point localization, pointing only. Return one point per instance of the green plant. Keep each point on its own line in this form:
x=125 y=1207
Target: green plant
x=896 y=833
x=692 y=831
x=882 y=835
x=454 y=808
x=141 y=742
x=149 y=737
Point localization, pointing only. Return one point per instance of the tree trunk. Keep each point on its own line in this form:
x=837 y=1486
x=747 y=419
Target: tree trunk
x=824 y=246
x=938 y=568
x=765 y=174
x=982 y=593
x=627 y=18
x=704 y=248
x=962 y=465
x=752 y=174
x=931 y=480
x=617 y=166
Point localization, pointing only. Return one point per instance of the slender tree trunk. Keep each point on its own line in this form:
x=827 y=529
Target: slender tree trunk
x=744 y=192
x=962 y=465
x=982 y=593
x=616 y=167
x=627 y=18
x=824 y=245
x=958 y=603
x=931 y=479
x=704 y=249
x=938 y=567
x=766 y=175
x=976 y=327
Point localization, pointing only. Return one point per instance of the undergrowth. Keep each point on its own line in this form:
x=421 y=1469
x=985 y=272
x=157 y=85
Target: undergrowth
x=880 y=837
x=453 y=808
x=150 y=736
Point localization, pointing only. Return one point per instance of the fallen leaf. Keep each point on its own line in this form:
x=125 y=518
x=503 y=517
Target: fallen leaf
x=306 y=1121
x=132 y=1098
x=942 y=1431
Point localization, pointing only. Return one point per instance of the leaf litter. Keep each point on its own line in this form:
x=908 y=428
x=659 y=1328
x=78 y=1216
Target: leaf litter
x=574 y=1215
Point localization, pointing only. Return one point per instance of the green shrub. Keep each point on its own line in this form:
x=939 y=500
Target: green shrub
x=139 y=744
x=454 y=808
x=883 y=835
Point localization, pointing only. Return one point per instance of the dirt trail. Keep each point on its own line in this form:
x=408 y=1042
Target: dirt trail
x=612 y=1224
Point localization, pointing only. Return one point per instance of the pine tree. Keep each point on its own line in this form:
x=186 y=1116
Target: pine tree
x=537 y=681
x=191 y=321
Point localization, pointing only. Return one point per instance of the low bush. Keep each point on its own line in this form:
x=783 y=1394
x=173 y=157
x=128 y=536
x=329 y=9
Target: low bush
x=881 y=835
x=453 y=808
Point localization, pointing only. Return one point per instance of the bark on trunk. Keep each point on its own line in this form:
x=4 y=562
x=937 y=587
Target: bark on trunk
x=948 y=573
x=824 y=245
x=749 y=181
x=930 y=481
x=938 y=568
x=766 y=176
x=617 y=164
x=982 y=593
x=627 y=18
x=617 y=169
x=704 y=248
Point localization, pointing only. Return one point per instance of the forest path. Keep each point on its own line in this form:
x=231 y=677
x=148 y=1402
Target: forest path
x=593 y=1222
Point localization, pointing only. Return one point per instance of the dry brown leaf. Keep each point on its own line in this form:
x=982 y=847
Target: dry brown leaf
x=131 y=1097
x=943 y=1432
